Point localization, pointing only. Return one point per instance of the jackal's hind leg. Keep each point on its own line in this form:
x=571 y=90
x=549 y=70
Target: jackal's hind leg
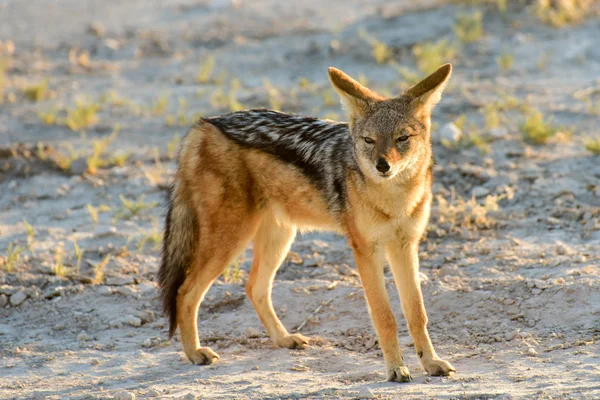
x=271 y=244
x=215 y=252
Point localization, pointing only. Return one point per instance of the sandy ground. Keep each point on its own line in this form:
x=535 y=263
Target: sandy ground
x=513 y=297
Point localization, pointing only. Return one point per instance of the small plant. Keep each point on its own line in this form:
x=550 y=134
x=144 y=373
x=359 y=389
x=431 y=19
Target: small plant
x=232 y=273
x=47 y=117
x=380 y=51
x=154 y=237
x=430 y=55
x=505 y=61
x=160 y=104
x=560 y=13
x=491 y=117
x=78 y=254
x=173 y=146
x=59 y=267
x=234 y=104
x=82 y=115
x=30 y=233
x=409 y=77
x=96 y=161
x=13 y=255
x=36 y=92
x=469 y=27
x=469 y=214
x=593 y=145
x=99 y=270
x=206 y=70
x=275 y=98
x=95 y=210
x=536 y=130
x=542 y=61
x=329 y=98
x=132 y=208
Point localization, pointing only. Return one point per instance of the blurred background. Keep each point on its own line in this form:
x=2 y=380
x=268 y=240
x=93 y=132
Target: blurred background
x=95 y=97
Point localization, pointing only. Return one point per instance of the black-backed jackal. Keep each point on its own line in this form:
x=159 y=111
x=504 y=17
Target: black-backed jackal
x=259 y=175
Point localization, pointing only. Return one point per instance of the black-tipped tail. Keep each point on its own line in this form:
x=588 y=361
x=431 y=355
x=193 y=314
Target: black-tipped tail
x=179 y=248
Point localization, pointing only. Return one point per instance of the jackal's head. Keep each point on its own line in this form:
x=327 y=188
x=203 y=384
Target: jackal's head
x=390 y=136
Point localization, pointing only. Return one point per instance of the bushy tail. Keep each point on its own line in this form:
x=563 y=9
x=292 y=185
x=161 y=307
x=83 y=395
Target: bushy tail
x=180 y=242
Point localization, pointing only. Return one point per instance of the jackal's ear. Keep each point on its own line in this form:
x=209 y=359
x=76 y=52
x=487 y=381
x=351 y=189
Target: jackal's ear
x=427 y=93
x=356 y=98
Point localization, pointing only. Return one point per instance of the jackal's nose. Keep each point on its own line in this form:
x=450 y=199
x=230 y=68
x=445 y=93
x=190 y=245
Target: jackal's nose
x=382 y=165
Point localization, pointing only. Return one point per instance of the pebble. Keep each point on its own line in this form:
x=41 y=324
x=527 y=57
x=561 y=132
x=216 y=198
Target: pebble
x=124 y=396
x=104 y=290
x=147 y=343
x=365 y=393
x=18 y=298
x=79 y=166
x=116 y=323
x=152 y=393
x=133 y=321
x=94 y=361
x=511 y=335
x=83 y=336
x=531 y=352
x=498 y=133
x=479 y=191
x=253 y=333
x=450 y=132
x=536 y=291
x=188 y=396
x=119 y=280
x=449 y=270
x=509 y=302
x=3 y=300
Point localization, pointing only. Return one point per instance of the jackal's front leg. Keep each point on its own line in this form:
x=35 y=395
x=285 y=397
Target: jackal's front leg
x=404 y=262
x=370 y=268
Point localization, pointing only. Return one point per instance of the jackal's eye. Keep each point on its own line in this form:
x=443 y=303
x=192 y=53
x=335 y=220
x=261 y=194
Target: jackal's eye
x=368 y=140
x=402 y=138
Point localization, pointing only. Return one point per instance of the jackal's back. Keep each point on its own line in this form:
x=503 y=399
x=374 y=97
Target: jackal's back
x=321 y=150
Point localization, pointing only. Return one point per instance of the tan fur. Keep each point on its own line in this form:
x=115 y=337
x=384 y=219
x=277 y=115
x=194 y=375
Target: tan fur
x=241 y=194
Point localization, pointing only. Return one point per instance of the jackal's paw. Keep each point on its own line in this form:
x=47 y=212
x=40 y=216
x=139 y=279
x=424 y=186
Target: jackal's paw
x=438 y=367
x=399 y=374
x=294 y=341
x=203 y=356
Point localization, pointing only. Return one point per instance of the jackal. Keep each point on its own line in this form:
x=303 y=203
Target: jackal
x=260 y=175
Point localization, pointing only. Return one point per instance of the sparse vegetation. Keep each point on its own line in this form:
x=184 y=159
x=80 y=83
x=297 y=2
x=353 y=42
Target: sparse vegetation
x=30 y=233
x=505 y=60
x=206 y=70
x=537 y=129
x=13 y=255
x=379 y=50
x=37 y=91
x=160 y=104
x=173 y=146
x=491 y=117
x=83 y=115
x=562 y=12
x=94 y=211
x=78 y=255
x=469 y=27
x=134 y=207
x=430 y=55
x=275 y=98
x=59 y=268
x=154 y=238
x=99 y=146
x=232 y=273
x=99 y=269
x=592 y=144
x=468 y=213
